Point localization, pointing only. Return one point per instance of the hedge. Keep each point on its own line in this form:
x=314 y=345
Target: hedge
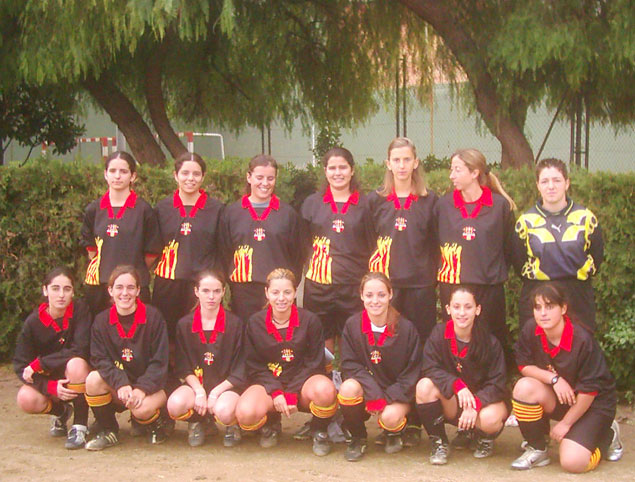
x=42 y=204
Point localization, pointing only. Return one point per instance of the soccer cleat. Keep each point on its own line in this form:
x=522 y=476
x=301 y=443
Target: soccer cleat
x=411 y=436
x=511 y=421
x=232 y=437
x=269 y=436
x=531 y=458
x=321 y=443
x=156 y=432
x=464 y=439
x=439 y=451
x=103 y=440
x=137 y=429
x=59 y=427
x=381 y=438
x=484 y=448
x=304 y=432
x=394 y=443
x=616 y=449
x=195 y=434
x=355 y=450
x=76 y=437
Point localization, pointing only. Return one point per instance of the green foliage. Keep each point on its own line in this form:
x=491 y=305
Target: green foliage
x=328 y=136
x=41 y=208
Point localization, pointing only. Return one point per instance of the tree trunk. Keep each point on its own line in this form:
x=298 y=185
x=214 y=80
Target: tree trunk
x=123 y=113
x=502 y=122
x=156 y=102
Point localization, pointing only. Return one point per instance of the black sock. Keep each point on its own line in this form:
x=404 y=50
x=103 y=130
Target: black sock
x=431 y=415
x=57 y=408
x=274 y=420
x=80 y=410
x=105 y=416
x=354 y=418
x=414 y=420
x=532 y=423
x=320 y=424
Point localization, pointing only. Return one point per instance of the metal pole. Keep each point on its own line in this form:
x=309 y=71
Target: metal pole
x=432 y=119
x=578 y=131
x=404 y=92
x=262 y=139
x=397 y=100
x=572 y=132
x=269 y=139
x=587 y=128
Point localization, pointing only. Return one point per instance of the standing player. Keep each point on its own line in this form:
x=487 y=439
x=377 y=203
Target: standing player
x=475 y=229
x=208 y=358
x=565 y=378
x=260 y=233
x=188 y=223
x=381 y=363
x=50 y=358
x=464 y=382
x=284 y=349
x=119 y=228
x=558 y=239
x=340 y=225
x=129 y=353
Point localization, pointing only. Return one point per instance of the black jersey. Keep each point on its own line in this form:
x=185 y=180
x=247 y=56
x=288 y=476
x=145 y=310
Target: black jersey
x=475 y=238
x=256 y=244
x=47 y=344
x=553 y=246
x=387 y=365
x=282 y=360
x=119 y=236
x=407 y=240
x=342 y=238
x=447 y=364
x=213 y=356
x=578 y=359
x=135 y=354
x=190 y=239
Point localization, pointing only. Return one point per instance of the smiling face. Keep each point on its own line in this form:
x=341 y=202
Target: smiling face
x=280 y=294
x=210 y=292
x=548 y=315
x=463 y=310
x=376 y=297
x=189 y=177
x=124 y=292
x=338 y=173
x=59 y=293
x=461 y=176
x=402 y=162
x=553 y=186
x=118 y=175
x=262 y=181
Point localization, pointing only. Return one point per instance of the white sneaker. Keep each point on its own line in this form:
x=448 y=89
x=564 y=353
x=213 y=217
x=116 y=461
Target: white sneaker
x=616 y=449
x=511 y=421
x=531 y=458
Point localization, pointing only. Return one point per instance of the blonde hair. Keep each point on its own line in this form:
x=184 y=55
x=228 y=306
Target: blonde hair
x=475 y=160
x=418 y=186
x=280 y=273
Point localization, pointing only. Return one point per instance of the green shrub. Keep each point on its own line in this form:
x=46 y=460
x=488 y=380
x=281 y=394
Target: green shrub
x=42 y=205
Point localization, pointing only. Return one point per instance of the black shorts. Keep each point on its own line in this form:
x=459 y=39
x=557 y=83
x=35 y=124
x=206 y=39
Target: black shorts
x=98 y=298
x=592 y=430
x=174 y=299
x=333 y=304
x=419 y=305
x=247 y=299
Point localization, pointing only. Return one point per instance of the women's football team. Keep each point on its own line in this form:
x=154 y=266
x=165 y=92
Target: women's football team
x=373 y=263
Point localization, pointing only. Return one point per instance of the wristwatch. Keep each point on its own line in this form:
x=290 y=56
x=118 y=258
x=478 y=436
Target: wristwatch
x=555 y=379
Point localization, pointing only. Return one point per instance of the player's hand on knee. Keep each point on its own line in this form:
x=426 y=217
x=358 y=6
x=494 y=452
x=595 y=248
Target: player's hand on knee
x=27 y=374
x=64 y=393
x=559 y=431
x=564 y=392
x=466 y=399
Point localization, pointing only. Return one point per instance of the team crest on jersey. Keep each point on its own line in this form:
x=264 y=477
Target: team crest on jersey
x=469 y=233
x=198 y=373
x=112 y=230
x=61 y=340
x=459 y=367
x=186 y=228
x=287 y=354
x=275 y=368
x=375 y=356
x=208 y=358
x=259 y=234
x=126 y=354
x=401 y=223
x=338 y=225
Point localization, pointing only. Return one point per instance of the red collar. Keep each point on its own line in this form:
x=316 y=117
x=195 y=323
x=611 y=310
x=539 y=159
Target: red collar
x=294 y=322
x=484 y=200
x=105 y=204
x=328 y=199
x=273 y=204
x=450 y=335
x=395 y=199
x=139 y=319
x=47 y=320
x=200 y=203
x=566 y=340
x=219 y=325
x=368 y=330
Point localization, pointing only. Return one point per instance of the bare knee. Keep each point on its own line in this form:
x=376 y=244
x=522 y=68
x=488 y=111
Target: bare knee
x=323 y=391
x=526 y=389
x=574 y=458
x=225 y=412
x=30 y=400
x=391 y=417
x=177 y=405
x=77 y=369
x=351 y=389
x=426 y=391
x=95 y=384
x=491 y=419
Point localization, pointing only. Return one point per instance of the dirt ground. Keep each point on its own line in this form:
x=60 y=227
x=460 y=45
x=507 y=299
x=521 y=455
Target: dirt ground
x=27 y=452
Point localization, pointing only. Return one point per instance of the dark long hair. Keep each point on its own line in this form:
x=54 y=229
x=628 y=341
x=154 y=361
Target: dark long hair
x=554 y=292
x=479 y=351
x=348 y=157
x=392 y=320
